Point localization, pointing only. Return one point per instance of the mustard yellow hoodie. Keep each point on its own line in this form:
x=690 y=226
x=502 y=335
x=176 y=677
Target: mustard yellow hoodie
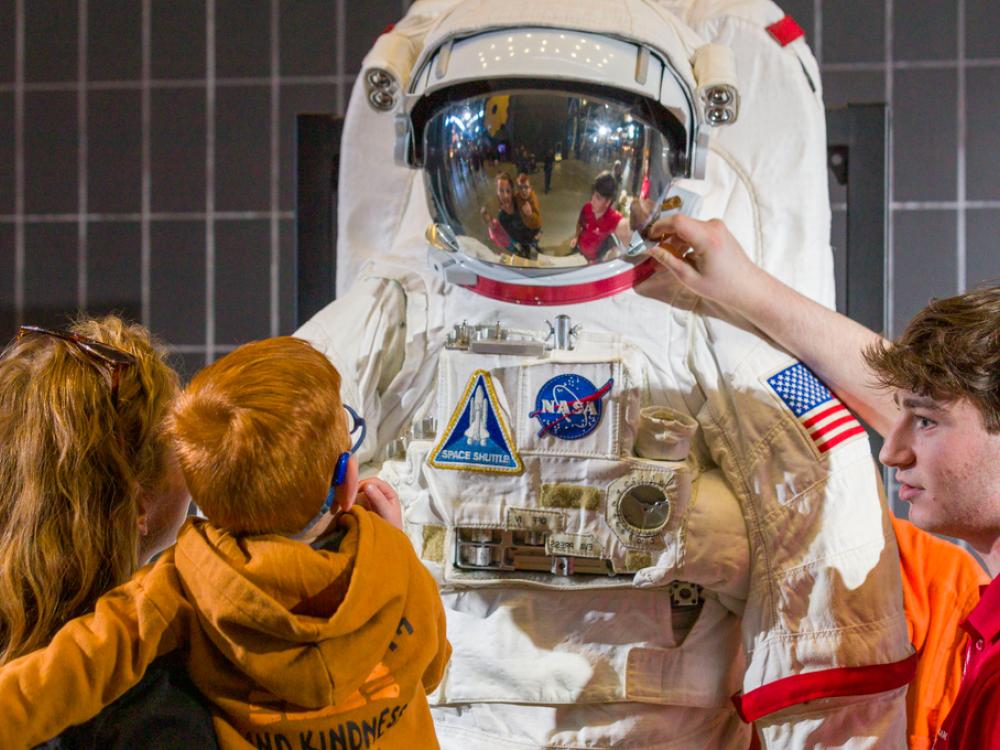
x=295 y=647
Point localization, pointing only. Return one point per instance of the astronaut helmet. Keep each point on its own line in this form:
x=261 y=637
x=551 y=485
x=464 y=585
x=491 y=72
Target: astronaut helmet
x=546 y=152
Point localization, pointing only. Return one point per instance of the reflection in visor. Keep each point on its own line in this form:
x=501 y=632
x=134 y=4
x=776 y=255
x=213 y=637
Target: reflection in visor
x=544 y=178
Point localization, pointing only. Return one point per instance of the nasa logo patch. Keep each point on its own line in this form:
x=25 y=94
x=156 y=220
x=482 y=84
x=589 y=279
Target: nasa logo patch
x=569 y=406
x=477 y=438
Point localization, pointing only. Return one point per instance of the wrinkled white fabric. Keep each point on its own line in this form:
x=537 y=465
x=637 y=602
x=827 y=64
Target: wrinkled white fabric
x=792 y=545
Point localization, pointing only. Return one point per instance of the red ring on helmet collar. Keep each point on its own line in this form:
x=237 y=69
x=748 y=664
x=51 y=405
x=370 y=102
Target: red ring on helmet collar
x=522 y=294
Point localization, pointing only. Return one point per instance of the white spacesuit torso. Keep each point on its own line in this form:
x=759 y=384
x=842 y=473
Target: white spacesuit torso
x=564 y=555
x=641 y=509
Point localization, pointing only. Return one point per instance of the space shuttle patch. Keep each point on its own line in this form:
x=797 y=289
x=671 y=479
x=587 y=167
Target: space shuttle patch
x=477 y=438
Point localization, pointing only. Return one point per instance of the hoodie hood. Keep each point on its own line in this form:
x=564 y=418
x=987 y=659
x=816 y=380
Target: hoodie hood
x=303 y=609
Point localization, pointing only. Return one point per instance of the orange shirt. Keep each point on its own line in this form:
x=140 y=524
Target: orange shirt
x=330 y=647
x=940 y=587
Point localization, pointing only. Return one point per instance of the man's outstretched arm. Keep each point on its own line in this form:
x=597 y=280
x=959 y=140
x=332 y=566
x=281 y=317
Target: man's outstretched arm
x=717 y=268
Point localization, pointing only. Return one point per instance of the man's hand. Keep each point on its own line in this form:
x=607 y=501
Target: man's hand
x=380 y=498
x=706 y=258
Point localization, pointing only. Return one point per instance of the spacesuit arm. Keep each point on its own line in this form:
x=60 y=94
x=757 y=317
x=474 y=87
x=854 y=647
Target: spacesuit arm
x=827 y=342
x=363 y=334
x=93 y=659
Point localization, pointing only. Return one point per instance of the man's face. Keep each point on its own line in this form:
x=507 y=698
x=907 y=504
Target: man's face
x=599 y=203
x=505 y=195
x=947 y=466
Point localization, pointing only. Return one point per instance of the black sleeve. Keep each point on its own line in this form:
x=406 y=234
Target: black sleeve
x=165 y=711
x=513 y=225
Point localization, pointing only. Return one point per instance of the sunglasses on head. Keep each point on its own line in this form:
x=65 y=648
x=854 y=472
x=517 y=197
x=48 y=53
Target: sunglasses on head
x=95 y=352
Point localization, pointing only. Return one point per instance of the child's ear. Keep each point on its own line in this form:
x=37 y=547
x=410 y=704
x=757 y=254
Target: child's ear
x=345 y=493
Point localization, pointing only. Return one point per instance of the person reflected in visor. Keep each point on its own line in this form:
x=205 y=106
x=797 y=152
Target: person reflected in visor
x=528 y=207
x=598 y=221
x=548 y=162
x=507 y=229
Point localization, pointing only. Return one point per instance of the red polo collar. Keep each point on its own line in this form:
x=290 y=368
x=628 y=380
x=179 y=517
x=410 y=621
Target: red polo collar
x=984 y=620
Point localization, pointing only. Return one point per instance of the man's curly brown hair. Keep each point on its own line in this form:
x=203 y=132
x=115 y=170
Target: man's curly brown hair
x=949 y=351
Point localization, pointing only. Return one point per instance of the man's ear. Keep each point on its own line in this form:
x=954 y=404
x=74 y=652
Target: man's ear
x=345 y=493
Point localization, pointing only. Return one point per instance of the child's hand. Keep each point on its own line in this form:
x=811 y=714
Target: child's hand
x=380 y=498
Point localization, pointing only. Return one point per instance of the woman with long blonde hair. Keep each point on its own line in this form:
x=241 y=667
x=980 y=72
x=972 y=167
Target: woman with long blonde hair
x=89 y=487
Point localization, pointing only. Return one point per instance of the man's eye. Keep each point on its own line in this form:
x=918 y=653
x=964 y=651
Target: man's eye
x=924 y=422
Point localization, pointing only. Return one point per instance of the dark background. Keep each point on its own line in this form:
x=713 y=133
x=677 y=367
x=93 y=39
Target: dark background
x=146 y=149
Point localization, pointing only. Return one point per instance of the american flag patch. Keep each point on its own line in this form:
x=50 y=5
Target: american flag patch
x=827 y=421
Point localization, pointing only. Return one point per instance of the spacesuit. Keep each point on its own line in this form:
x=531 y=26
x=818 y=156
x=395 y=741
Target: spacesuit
x=650 y=526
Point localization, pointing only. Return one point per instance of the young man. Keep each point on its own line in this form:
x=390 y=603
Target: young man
x=598 y=220
x=935 y=396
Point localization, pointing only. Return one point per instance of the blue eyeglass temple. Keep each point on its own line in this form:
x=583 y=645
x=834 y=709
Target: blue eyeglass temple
x=340 y=472
x=359 y=424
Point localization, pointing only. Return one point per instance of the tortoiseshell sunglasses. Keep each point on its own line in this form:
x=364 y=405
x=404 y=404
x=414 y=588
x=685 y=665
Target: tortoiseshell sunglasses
x=95 y=351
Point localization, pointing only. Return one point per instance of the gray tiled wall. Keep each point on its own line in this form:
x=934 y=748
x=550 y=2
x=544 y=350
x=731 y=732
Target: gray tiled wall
x=146 y=157
x=146 y=149
x=938 y=66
